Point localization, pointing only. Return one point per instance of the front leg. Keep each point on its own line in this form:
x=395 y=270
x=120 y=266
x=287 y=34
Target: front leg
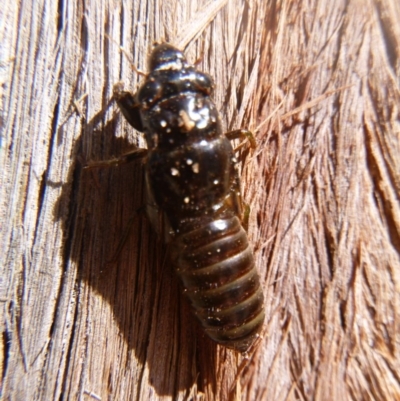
x=130 y=108
x=134 y=155
x=128 y=105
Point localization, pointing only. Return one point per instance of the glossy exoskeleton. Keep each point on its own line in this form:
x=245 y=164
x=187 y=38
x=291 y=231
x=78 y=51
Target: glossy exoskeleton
x=192 y=181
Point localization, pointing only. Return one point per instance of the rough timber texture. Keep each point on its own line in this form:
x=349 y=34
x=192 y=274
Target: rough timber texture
x=318 y=82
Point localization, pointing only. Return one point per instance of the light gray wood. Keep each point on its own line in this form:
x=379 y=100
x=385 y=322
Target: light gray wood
x=318 y=83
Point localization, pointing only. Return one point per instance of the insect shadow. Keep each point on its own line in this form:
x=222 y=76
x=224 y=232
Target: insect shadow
x=140 y=286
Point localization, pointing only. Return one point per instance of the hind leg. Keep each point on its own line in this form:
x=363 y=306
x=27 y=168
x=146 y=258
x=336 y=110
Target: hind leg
x=243 y=207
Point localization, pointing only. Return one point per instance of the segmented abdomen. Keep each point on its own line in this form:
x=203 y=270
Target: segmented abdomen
x=216 y=265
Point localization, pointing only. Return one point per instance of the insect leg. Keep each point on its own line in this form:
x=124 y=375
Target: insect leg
x=245 y=216
x=134 y=155
x=243 y=208
x=242 y=134
x=128 y=105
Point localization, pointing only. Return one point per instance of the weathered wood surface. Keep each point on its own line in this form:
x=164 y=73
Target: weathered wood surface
x=318 y=82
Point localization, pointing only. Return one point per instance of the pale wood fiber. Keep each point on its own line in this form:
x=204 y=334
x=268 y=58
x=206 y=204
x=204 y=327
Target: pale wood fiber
x=318 y=82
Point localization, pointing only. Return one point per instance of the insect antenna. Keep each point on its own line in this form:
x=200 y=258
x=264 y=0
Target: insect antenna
x=122 y=50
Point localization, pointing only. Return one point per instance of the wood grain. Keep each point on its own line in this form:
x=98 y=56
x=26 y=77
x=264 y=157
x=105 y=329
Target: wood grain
x=318 y=83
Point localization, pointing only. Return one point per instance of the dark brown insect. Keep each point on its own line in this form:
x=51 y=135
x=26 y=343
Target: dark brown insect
x=192 y=180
